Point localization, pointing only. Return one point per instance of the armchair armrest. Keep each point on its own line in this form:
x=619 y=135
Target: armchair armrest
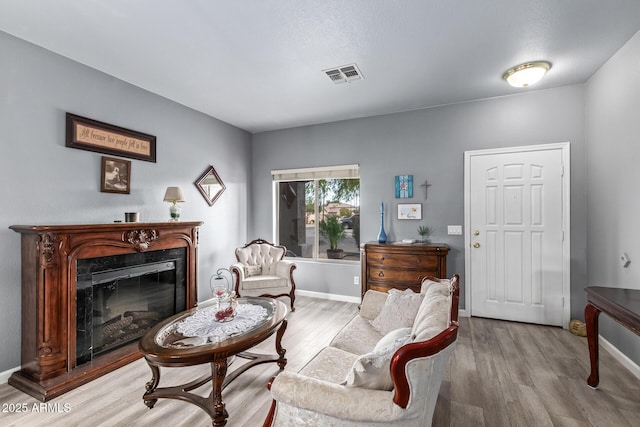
x=372 y=303
x=284 y=268
x=237 y=269
x=351 y=403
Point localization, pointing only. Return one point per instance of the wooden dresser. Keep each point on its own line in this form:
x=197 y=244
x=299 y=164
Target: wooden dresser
x=401 y=265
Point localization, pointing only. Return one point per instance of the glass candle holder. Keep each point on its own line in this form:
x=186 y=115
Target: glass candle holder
x=226 y=307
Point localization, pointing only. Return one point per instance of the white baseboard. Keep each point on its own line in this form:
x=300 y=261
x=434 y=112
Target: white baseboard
x=332 y=297
x=4 y=376
x=463 y=313
x=620 y=356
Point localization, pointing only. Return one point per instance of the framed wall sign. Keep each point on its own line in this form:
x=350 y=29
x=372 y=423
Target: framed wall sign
x=92 y=135
x=115 y=176
x=409 y=211
x=404 y=186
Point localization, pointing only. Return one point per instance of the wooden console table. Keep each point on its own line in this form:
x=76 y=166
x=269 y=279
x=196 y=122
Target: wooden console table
x=622 y=305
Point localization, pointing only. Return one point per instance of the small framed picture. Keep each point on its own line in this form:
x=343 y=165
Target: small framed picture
x=115 y=176
x=404 y=186
x=409 y=211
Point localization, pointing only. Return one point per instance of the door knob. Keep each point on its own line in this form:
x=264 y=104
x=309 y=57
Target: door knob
x=476 y=245
x=476 y=233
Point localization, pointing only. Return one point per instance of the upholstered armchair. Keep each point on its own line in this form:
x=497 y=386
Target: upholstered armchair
x=261 y=271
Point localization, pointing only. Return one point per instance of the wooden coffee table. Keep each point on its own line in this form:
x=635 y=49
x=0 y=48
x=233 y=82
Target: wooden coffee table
x=164 y=346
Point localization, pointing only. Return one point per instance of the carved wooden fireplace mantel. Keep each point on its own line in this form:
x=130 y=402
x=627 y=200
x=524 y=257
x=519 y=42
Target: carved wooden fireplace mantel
x=49 y=272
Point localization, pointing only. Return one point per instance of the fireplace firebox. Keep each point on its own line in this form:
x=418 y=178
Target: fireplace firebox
x=90 y=291
x=119 y=298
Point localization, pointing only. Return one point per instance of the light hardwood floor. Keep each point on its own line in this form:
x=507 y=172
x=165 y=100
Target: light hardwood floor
x=501 y=374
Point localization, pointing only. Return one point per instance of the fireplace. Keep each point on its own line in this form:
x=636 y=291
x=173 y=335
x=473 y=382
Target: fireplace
x=89 y=292
x=119 y=298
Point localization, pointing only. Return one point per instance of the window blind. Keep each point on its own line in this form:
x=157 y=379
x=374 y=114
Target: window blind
x=325 y=172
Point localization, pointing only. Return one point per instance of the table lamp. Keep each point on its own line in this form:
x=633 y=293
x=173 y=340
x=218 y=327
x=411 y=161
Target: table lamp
x=175 y=196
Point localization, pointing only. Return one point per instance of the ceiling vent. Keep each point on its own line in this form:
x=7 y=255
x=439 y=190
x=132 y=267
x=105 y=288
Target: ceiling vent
x=344 y=74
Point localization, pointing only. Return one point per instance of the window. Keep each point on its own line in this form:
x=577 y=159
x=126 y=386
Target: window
x=318 y=212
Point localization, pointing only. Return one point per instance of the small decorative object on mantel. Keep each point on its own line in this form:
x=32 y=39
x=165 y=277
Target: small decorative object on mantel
x=382 y=236
x=174 y=195
x=131 y=216
x=404 y=186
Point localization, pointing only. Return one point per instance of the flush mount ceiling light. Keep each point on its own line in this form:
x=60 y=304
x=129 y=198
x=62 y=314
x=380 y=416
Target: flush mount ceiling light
x=526 y=74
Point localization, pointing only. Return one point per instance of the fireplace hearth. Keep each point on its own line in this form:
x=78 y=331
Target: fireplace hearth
x=90 y=291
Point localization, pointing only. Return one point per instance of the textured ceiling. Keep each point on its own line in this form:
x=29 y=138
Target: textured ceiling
x=257 y=64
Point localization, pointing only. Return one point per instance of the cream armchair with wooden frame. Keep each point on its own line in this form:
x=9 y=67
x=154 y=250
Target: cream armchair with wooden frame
x=261 y=271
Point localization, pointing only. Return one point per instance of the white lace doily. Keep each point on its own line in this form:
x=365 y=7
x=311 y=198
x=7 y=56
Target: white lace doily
x=202 y=323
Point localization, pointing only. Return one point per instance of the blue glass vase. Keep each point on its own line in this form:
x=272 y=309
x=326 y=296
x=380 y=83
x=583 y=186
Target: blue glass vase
x=382 y=236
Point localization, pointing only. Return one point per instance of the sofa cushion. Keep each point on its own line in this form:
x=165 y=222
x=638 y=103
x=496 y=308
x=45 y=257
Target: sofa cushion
x=432 y=317
x=399 y=311
x=430 y=287
x=330 y=364
x=357 y=337
x=393 y=341
x=371 y=370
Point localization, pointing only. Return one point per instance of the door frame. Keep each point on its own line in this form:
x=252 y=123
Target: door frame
x=566 y=219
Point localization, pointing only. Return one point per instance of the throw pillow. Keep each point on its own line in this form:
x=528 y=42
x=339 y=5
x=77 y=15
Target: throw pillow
x=371 y=370
x=398 y=311
x=252 y=270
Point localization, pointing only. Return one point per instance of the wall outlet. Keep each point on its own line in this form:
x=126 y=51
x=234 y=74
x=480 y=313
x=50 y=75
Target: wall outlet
x=356 y=280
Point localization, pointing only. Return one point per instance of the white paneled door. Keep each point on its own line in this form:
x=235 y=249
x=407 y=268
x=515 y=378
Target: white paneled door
x=515 y=213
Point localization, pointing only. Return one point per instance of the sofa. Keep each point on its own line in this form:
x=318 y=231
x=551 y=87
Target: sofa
x=383 y=368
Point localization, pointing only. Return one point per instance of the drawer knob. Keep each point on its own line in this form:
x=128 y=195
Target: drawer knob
x=380 y=274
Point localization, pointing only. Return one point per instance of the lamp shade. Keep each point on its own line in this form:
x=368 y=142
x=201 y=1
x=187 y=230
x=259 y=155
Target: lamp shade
x=174 y=194
x=526 y=74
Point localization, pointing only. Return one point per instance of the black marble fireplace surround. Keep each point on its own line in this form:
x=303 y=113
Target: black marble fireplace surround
x=120 y=297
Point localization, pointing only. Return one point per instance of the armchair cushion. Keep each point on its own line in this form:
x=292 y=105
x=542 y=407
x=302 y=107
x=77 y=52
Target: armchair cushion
x=252 y=270
x=399 y=311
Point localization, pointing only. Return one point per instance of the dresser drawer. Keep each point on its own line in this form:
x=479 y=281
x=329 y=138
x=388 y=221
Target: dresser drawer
x=403 y=260
x=399 y=276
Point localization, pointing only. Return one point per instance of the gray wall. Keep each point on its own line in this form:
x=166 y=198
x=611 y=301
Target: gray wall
x=613 y=151
x=43 y=182
x=428 y=144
